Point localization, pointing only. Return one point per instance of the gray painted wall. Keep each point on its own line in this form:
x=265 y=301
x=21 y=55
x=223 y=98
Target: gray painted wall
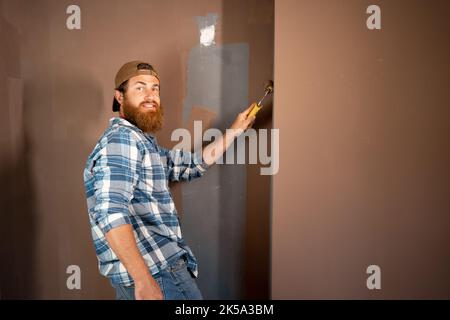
x=214 y=206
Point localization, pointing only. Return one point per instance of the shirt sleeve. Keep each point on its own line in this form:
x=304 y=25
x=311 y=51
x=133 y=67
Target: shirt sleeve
x=184 y=165
x=116 y=171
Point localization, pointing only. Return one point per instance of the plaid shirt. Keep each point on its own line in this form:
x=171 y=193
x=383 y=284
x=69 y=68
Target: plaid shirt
x=126 y=180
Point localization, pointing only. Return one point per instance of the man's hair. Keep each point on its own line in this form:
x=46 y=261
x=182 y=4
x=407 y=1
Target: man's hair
x=122 y=88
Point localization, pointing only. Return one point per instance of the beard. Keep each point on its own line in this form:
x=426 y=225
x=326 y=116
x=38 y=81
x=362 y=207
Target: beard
x=149 y=121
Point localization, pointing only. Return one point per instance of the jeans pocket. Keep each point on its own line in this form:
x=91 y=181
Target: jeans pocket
x=177 y=266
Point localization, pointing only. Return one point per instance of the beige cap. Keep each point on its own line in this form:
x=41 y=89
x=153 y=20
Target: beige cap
x=130 y=70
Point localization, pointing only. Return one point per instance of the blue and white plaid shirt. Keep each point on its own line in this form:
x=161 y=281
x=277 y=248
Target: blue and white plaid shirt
x=126 y=180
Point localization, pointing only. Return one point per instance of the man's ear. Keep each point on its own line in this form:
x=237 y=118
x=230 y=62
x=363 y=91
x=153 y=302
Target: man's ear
x=119 y=96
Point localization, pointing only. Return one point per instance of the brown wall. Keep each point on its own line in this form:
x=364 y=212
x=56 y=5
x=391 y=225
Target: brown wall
x=57 y=86
x=364 y=150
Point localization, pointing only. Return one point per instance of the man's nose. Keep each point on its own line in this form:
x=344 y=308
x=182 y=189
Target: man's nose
x=149 y=95
x=148 y=98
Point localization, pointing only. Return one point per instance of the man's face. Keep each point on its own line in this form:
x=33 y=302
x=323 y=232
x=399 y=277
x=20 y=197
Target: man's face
x=141 y=104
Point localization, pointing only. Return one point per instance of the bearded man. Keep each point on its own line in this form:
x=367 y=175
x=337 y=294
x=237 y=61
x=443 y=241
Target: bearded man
x=134 y=222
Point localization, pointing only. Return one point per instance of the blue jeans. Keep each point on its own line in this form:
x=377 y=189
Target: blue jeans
x=176 y=283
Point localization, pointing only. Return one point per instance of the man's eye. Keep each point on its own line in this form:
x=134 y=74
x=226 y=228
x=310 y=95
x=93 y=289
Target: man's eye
x=140 y=88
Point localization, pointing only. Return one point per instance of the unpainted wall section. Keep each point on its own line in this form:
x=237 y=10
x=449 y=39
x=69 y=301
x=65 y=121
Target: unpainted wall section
x=364 y=150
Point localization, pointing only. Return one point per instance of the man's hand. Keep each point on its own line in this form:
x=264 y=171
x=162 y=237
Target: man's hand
x=148 y=290
x=243 y=121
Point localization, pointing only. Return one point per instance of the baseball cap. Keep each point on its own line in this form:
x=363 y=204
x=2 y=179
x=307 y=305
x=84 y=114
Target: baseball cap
x=129 y=70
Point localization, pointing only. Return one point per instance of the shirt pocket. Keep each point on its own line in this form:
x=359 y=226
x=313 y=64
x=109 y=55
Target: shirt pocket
x=153 y=175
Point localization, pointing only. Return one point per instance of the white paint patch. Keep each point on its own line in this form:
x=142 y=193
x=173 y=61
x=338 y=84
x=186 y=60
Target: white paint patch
x=207 y=28
x=207 y=35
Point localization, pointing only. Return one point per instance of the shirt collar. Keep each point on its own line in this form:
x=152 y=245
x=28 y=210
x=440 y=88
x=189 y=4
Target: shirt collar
x=123 y=122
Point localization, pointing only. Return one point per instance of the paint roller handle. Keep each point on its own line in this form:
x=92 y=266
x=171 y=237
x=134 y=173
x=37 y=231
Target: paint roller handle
x=257 y=106
x=254 y=110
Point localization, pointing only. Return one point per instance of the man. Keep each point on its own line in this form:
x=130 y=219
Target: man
x=134 y=222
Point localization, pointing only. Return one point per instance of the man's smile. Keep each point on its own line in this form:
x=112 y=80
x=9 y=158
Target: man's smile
x=149 y=105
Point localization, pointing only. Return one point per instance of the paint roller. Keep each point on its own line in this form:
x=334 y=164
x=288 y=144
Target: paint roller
x=268 y=87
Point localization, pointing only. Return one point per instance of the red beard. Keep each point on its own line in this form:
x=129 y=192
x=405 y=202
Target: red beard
x=149 y=121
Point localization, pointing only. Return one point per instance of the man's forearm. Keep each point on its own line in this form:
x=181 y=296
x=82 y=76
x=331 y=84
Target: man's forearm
x=123 y=243
x=213 y=151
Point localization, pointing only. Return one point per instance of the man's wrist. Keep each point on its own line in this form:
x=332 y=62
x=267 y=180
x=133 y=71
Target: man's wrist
x=234 y=132
x=142 y=277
